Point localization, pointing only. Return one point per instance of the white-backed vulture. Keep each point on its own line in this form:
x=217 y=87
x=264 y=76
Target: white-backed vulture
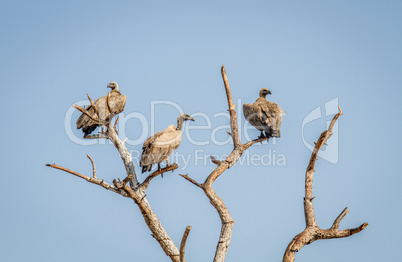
x=159 y=146
x=117 y=101
x=264 y=115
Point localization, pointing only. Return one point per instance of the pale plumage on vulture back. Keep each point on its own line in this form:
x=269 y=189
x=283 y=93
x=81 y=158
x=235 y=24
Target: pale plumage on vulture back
x=159 y=146
x=264 y=115
x=117 y=101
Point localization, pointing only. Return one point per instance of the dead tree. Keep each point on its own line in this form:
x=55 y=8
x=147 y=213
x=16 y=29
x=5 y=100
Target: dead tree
x=312 y=232
x=136 y=191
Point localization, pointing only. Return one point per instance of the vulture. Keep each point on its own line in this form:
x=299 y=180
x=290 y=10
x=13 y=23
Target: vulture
x=117 y=101
x=264 y=115
x=159 y=146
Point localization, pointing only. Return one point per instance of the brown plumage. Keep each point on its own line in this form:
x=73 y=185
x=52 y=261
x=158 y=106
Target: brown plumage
x=264 y=115
x=159 y=146
x=117 y=101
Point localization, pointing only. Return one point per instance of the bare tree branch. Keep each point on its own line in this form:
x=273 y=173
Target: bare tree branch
x=93 y=166
x=92 y=180
x=335 y=225
x=252 y=142
x=312 y=232
x=183 y=244
x=117 y=121
x=215 y=161
x=191 y=180
x=97 y=136
x=96 y=111
x=108 y=102
x=144 y=185
x=93 y=117
x=233 y=118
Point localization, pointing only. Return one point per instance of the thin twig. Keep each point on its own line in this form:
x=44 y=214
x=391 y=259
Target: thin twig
x=183 y=244
x=192 y=181
x=215 y=161
x=117 y=121
x=252 y=142
x=93 y=166
x=89 y=179
x=335 y=225
x=97 y=136
x=93 y=105
x=85 y=112
x=144 y=185
x=108 y=102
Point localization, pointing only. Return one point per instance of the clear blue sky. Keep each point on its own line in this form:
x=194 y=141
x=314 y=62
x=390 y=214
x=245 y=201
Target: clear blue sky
x=306 y=52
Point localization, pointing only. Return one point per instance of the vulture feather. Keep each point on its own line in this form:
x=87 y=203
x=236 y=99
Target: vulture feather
x=264 y=115
x=159 y=146
x=117 y=101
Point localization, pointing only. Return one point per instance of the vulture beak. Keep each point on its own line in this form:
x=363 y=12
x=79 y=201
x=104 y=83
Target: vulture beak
x=108 y=86
x=192 y=119
x=269 y=92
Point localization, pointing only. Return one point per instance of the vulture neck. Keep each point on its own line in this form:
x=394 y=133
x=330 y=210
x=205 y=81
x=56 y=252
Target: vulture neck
x=179 y=124
x=262 y=95
x=116 y=90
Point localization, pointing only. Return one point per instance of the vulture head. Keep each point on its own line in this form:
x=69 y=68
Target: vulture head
x=186 y=117
x=264 y=92
x=113 y=86
x=181 y=119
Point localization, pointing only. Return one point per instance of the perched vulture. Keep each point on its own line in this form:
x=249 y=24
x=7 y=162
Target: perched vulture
x=264 y=115
x=117 y=101
x=159 y=146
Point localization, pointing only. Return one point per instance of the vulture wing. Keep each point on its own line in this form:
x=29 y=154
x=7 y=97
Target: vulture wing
x=117 y=101
x=159 y=146
x=253 y=114
x=271 y=117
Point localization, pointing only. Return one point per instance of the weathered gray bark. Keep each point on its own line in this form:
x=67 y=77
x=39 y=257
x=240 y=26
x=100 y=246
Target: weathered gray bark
x=312 y=232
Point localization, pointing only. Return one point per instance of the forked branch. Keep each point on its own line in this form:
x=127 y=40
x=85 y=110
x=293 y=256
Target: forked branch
x=312 y=232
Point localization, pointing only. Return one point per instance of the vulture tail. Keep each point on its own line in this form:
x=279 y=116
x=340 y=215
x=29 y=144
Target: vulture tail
x=89 y=129
x=273 y=133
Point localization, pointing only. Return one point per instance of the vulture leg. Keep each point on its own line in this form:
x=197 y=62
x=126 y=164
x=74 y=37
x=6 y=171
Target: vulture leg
x=159 y=168
x=262 y=135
